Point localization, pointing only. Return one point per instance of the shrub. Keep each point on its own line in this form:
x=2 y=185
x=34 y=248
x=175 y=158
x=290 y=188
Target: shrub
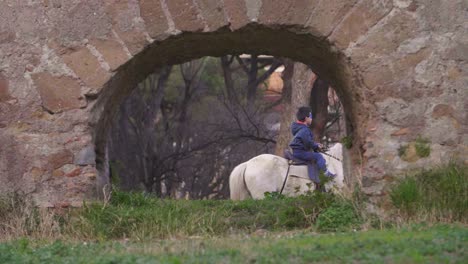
x=340 y=216
x=406 y=195
x=442 y=192
x=20 y=217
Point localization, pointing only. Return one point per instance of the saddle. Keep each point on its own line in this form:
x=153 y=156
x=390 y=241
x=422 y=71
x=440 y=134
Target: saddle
x=312 y=169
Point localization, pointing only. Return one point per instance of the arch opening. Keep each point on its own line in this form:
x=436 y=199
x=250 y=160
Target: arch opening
x=326 y=62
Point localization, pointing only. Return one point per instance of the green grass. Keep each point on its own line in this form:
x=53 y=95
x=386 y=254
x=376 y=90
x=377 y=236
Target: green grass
x=436 y=244
x=141 y=217
x=139 y=228
x=339 y=216
x=442 y=193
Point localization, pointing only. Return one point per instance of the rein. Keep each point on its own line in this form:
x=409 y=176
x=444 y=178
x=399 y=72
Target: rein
x=285 y=179
x=329 y=155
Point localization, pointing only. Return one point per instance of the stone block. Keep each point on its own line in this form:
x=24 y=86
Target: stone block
x=213 y=13
x=327 y=14
x=36 y=173
x=75 y=172
x=125 y=22
x=58 y=93
x=279 y=12
x=7 y=36
x=236 y=12
x=377 y=76
x=77 y=20
x=362 y=17
x=401 y=132
x=384 y=38
x=459 y=51
x=185 y=15
x=86 y=156
x=4 y=92
x=441 y=110
x=87 y=67
x=59 y=159
x=135 y=40
x=112 y=51
x=155 y=20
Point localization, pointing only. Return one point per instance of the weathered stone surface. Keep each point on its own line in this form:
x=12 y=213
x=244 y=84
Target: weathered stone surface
x=155 y=20
x=185 y=15
x=236 y=12
x=57 y=160
x=384 y=39
x=134 y=40
x=125 y=23
x=359 y=20
x=86 y=156
x=401 y=113
x=89 y=15
x=443 y=131
x=58 y=93
x=4 y=92
x=253 y=9
x=386 y=78
x=112 y=51
x=441 y=110
x=401 y=132
x=7 y=36
x=87 y=67
x=213 y=13
x=12 y=167
x=327 y=14
x=279 y=12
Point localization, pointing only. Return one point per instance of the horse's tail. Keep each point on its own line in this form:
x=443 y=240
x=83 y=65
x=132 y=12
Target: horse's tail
x=237 y=185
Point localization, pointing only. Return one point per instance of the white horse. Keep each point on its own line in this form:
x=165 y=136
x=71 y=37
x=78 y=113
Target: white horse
x=267 y=173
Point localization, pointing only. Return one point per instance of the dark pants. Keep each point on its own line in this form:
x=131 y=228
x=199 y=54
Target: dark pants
x=315 y=157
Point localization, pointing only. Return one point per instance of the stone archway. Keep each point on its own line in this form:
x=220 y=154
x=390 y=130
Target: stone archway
x=67 y=66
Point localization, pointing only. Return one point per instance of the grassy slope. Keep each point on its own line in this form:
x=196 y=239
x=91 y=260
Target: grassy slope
x=149 y=226
x=439 y=244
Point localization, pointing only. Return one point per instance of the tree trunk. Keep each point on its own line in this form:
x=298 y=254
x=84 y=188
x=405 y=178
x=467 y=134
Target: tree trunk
x=252 y=80
x=319 y=103
x=297 y=79
x=228 y=81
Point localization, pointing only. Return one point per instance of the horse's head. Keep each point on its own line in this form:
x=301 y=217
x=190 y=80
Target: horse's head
x=336 y=150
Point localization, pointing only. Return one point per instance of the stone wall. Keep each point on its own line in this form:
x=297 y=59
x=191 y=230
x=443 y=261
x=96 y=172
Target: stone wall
x=399 y=67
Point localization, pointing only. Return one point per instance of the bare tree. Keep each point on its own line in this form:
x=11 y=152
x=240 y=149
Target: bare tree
x=252 y=73
x=132 y=142
x=319 y=106
x=176 y=135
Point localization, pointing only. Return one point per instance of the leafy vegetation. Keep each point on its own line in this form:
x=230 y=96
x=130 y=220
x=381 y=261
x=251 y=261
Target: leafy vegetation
x=420 y=148
x=442 y=193
x=402 y=150
x=339 y=216
x=423 y=147
x=347 y=142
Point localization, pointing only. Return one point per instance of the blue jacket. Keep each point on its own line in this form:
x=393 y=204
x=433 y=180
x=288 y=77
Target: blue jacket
x=303 y=138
